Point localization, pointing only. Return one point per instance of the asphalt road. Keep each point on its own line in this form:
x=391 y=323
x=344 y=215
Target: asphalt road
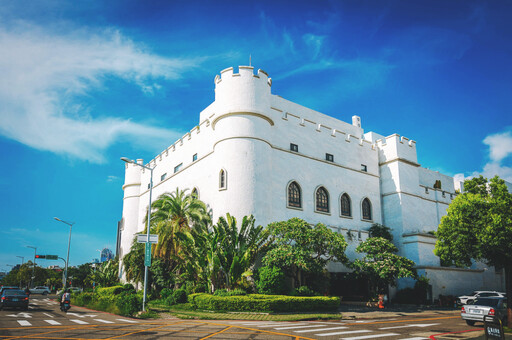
x=44 y=320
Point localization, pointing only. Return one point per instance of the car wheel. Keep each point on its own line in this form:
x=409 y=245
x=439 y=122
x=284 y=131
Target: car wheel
x=45 y=293
x=468 y=302
x=470 y=323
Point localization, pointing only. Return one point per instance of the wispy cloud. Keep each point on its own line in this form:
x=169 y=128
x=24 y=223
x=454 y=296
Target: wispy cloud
x=44 y=74
x=112 y=178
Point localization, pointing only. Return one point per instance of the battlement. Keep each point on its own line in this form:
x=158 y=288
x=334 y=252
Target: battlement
x=243 y=72
x=397 y=147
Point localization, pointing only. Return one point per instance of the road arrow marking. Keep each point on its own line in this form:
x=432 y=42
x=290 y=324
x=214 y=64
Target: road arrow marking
x=49 y=315
x=417 y=325
x=80 y=322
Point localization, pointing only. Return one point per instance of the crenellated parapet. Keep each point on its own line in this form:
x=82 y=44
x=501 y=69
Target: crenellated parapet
x=396 y=147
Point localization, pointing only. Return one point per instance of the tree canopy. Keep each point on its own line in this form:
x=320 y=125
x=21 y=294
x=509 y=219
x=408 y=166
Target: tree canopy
x=478 y=226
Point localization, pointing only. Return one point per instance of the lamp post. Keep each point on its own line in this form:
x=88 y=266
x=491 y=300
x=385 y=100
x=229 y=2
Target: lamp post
x=22 y=261
x=70 y=224
x=124 y=159
x=34 y=267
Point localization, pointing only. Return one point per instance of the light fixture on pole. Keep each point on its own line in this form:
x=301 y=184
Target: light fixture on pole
x=70 y=224
x=22 y=261
x=127 y=160
x=34 y=267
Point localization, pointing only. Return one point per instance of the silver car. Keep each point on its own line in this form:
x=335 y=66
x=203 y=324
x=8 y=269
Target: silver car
x=40 y=290
x=493 y=306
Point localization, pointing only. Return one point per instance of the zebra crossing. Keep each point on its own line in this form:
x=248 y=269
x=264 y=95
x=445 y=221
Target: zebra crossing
x=64 y=322
x=344 y=329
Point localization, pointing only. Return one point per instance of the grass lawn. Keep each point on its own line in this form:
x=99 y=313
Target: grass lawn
x=183 y=311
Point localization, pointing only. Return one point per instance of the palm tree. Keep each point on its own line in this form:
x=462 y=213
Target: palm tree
x=133 y=263
x=172 y=213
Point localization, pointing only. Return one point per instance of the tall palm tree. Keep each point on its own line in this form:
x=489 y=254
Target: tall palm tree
x=172 y=213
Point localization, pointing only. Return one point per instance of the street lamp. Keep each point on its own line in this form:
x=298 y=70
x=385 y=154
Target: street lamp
x=127 y=160
x=22 y=261
x=70 y=224
x=34 y=267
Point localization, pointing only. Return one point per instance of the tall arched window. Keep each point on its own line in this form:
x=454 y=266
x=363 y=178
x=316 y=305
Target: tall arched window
x=223 y=179
x=367 y=209
x=195 y=193
x=345 y=206
x=322 y=200
x=294 y=195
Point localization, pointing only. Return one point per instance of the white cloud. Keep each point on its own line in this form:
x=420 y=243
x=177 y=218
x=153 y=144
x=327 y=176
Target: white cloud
x=44 y=74
x=500 y=145
x=112 y=178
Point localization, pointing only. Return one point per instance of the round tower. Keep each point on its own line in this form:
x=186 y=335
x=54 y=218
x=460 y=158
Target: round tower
x=131 y=198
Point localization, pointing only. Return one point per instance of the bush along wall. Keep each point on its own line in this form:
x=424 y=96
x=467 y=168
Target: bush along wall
x=117 y=300
x=263 y=303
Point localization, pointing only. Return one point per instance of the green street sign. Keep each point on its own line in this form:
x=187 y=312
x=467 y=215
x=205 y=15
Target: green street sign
x=147 y=257
x=52 y=257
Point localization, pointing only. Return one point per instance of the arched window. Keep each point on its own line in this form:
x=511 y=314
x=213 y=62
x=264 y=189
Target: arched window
x=367 y=209
x=294 y=195
x=322 y=200
x=223 y=179
x=345 y=205
x=195 y=193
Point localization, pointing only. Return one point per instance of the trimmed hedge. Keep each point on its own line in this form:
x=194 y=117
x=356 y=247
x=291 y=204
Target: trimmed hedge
x=263 y=303
x=117 y=300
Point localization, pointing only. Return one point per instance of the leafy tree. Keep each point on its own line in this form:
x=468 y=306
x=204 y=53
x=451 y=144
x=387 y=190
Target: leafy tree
x=381 y=266
x=271 y=280
x=133 y=263
x=478 y=225
x=300 y=248
x=379 y=230
x=107 y=274
x=80 y=274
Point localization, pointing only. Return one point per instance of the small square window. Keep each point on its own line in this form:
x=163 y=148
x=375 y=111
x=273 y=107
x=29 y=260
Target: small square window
x=177 y=167
x=163 y=176
x=451 y=196
x=294 y=147
x=444 y=194
x=364 y=168
x=194 y=158
x=426 y=190
x=329 y=157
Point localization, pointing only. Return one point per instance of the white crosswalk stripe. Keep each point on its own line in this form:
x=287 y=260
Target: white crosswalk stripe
x=53 y=322
x=406 y=326
x=321 y=329
x=24 y=323
x=125 y=320
x=104 y=321
x=283 y=324
x=296 y=327
x=344 y=332
x=372 y=336
x=415 y=338
x=80 y=322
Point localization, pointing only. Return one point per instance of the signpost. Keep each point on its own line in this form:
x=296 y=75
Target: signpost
x=147 y=257
x=143 y=238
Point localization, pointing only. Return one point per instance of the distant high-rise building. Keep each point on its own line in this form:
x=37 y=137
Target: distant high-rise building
x=106 y=254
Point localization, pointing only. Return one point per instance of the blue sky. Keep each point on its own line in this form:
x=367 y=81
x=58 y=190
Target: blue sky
x=84 y=83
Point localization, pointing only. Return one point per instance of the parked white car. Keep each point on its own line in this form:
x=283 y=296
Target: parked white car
x=492 y=306
x=40 y=290
x=467 y=299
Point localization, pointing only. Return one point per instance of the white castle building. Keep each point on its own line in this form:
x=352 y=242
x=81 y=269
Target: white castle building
x=254 y=152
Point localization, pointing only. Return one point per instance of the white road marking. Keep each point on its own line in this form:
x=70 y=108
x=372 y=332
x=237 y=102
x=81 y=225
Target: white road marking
x=415 y=338
x=51 y=316
x=75 y=315
x=31 y=307
x=346 y=332
x=80 y=322
x=53 y=322
x=295 y=327
x=370 y=336
x=416 y=325
x=322 y=329
x=21 y=315
x=283 y=324
x=24 y=323
x=126 y=320
x=104 y=321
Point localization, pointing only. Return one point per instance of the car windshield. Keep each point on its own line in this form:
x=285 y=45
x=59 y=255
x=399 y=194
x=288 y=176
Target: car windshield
x=486 y=302
x=14 y=292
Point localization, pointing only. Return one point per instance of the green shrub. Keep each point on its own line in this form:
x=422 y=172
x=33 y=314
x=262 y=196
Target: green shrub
x=234 y=292
x=271 y=281
x=114 y=290
x=129 y=288
x=178 y=296
x=165 y=293
x=128 y=304
x=303 y=291
x=263 y=303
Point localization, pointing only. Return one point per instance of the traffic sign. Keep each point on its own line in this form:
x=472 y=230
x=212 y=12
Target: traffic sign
x=147 y=257
x=52 y=257
x=40 y=256
x=143 y=238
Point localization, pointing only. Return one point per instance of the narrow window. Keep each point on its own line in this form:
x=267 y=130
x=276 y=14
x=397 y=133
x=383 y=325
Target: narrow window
x=329 y=157
x=364 y=168
x=149 y=185
x=451 y=196
x=444 y=194
x=294 y=195
x=163 y=176
x=195 y=193
x=177 y=167
x=426 y=190
x=222 y=179
x=322 y=200
x=194 y=158
x=294 y=147
x=345 y=205
x=367 y=209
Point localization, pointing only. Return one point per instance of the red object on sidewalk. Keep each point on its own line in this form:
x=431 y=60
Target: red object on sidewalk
x=381 y=304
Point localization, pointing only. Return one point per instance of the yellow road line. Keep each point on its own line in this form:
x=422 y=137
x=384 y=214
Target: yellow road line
x=139 y=331
x=209 y=336
x=39 y=334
